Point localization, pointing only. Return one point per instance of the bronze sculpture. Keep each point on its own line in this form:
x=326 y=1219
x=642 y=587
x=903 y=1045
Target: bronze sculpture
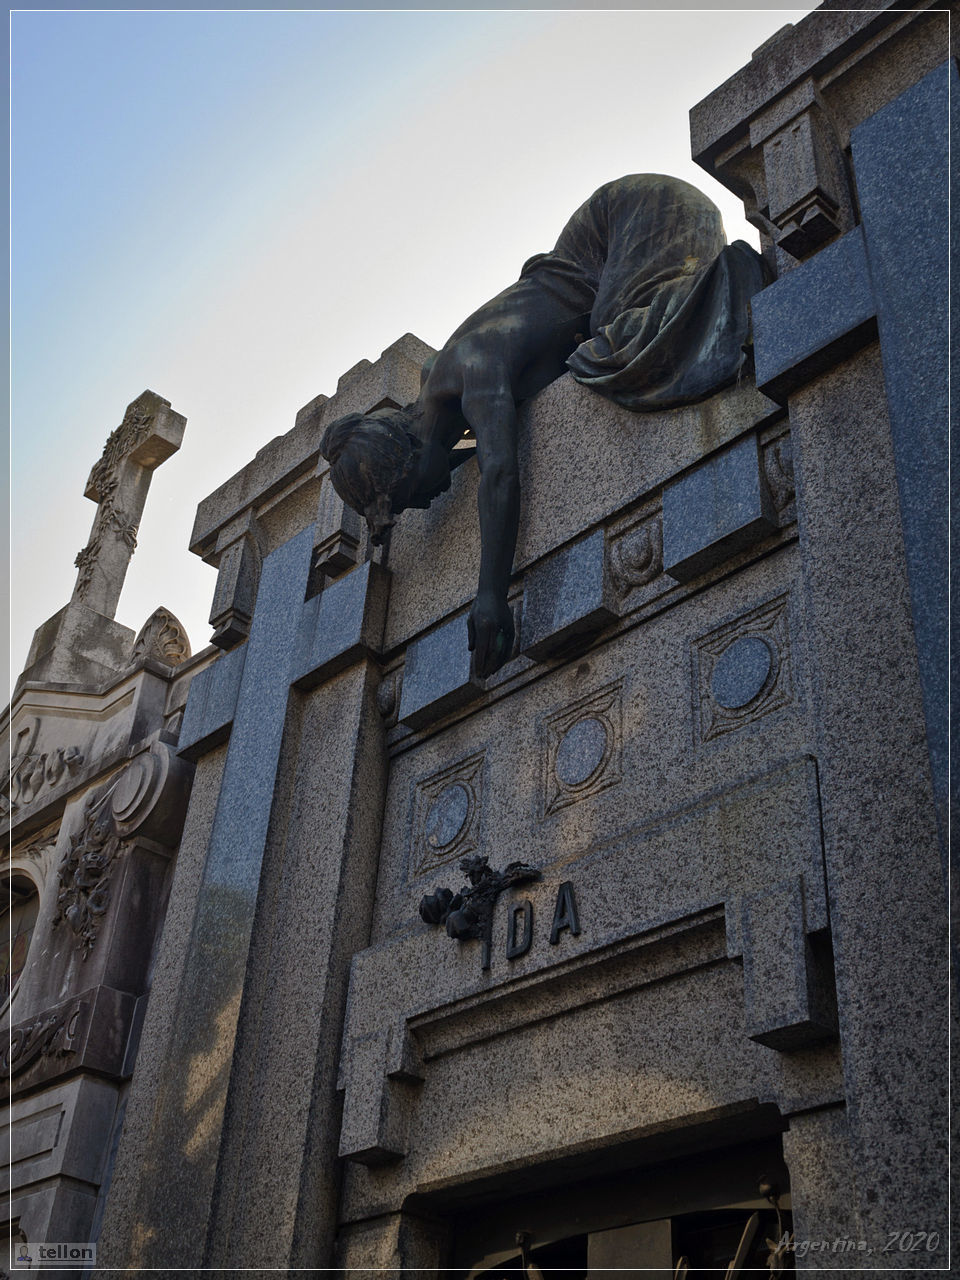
x=469 y=913
x=641 y=298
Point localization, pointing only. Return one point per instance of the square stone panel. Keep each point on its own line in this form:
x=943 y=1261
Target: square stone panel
x=715 y=510
x=446 y=814
x=582 y=748
x=437 y=675
x=742 y=670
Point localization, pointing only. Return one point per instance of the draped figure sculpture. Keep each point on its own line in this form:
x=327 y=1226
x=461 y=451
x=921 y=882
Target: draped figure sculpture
x=641 y=299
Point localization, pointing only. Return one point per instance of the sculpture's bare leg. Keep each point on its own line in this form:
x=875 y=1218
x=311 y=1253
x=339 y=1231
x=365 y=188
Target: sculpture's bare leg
x=492 y=414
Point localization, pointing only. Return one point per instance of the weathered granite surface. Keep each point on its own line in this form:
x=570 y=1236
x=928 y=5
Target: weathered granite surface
x=902 y=169
x=92 y=810
x=722 y=775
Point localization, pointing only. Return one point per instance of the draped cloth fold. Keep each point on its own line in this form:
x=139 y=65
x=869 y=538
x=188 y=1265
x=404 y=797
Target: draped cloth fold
x=668 y=298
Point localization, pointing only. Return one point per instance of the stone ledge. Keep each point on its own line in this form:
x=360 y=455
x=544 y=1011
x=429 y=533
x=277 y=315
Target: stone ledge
x=87 y=1032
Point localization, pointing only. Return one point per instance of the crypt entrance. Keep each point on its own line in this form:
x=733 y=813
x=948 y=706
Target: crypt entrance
x=718 y=1204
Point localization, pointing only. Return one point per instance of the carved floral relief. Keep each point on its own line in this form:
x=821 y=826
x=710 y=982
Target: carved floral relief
x=103 y=483
x=163 y=638
x=86 y=872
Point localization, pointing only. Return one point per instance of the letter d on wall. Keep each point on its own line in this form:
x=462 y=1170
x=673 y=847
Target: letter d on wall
x=520 y=913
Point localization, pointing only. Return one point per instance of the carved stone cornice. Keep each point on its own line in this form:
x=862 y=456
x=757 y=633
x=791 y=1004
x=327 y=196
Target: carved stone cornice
x=777 y=133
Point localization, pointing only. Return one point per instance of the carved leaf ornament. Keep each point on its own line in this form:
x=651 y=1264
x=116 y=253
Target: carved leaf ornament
x=86 y=872
x=104 y=482
x=163 y=638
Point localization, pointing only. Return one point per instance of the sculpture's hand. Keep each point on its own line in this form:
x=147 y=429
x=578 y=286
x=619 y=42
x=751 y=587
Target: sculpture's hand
x=490 y=634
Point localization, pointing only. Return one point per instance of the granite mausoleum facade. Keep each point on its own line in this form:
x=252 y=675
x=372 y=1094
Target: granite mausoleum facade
x=710 y=1008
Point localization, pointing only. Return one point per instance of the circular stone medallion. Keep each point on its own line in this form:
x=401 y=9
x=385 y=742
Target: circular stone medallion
x=446 y=816
x=741 y=671
x=581 y=751
x=131 y=786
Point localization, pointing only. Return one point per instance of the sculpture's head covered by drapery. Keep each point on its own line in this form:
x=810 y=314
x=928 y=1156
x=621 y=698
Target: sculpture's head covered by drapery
x=372 y=457
x=641 y=299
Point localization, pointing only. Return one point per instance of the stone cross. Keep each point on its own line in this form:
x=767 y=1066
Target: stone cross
x=149 y=433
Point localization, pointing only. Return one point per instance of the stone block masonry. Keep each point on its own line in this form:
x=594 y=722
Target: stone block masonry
x=630 y=930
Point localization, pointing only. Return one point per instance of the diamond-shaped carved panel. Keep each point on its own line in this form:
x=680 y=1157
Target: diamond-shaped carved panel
x=582 y=747
x=446 y=822
x=742 y=670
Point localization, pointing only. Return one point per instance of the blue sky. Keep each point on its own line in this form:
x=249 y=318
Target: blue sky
x=234 y=207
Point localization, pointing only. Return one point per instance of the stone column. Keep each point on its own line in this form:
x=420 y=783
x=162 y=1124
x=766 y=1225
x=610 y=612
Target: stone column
x=852 y=338
x=233 y=1133
x=278 y=1174
x=886 y=895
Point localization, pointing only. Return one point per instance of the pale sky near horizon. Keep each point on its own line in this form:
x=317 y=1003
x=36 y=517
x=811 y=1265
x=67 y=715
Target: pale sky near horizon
x=232 y=208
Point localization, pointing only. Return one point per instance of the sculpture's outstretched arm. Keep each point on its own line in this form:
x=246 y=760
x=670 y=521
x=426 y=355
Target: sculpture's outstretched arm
x=492 y=414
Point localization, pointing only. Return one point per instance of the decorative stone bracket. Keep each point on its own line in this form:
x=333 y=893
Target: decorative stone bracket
x=790 y=170
x=809 y=198
x=339 y=530
x=239 y=546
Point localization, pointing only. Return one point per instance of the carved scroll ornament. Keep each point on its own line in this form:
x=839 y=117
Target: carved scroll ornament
x=52 y=1033
x=31 y=772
